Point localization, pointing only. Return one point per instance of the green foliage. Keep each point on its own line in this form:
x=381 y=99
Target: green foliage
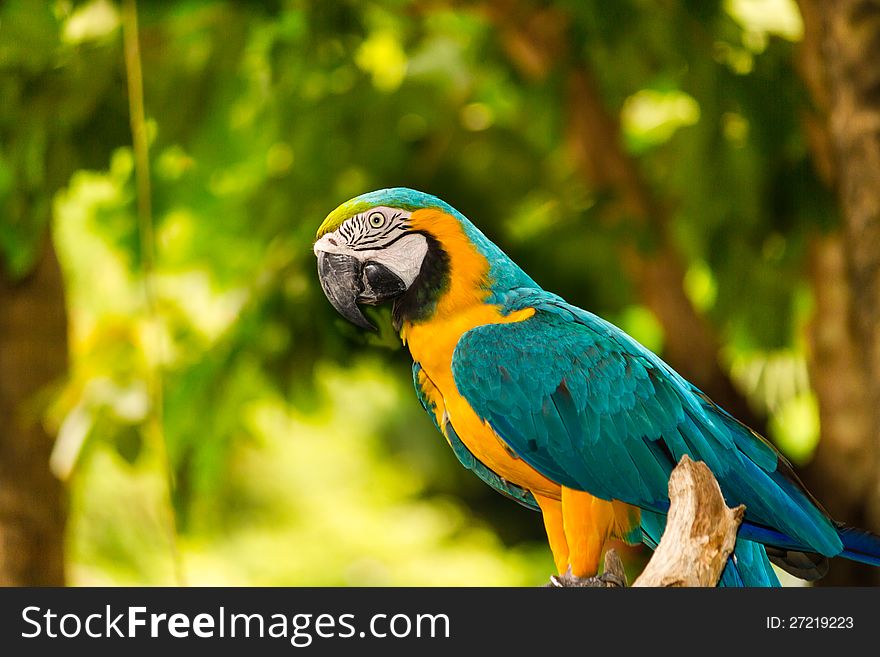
x=51 y=88
x=263 y=117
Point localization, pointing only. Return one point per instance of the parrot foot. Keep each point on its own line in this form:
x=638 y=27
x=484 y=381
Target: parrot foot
x=613 y=577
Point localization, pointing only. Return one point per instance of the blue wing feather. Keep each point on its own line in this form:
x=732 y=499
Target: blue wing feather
x=589 y=407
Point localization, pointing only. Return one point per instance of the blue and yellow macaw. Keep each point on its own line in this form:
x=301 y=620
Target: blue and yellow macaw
x=555 y=407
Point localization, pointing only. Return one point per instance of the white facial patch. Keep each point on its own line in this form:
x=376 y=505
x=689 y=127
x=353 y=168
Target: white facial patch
x=404 y=256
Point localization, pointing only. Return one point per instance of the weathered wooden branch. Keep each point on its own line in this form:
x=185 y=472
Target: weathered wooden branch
x=700 y=534
x=700 y=531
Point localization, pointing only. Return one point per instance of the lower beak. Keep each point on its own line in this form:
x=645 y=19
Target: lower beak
x=347 y=281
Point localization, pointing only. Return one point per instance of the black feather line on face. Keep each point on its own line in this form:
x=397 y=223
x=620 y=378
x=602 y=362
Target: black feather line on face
x=371 y=245
x=419 y=301
x=360 y=236
x=376 y=239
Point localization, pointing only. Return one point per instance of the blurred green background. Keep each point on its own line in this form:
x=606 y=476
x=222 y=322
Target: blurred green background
x=630 y=155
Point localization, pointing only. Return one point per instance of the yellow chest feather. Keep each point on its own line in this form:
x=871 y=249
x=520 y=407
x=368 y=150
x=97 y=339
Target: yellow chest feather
x=432 y=345
x=461 y=307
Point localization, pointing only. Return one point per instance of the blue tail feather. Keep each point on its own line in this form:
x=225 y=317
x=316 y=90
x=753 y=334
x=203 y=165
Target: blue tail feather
x=748 y=566
x=860 y=545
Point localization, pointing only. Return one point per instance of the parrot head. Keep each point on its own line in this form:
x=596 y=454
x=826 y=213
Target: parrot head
x=369 y=250
x=411 y=248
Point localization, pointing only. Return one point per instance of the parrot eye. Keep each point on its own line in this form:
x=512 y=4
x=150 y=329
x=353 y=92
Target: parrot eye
x=376 y=219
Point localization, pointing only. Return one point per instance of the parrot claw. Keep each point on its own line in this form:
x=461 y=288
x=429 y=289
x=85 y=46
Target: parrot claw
x=605 y=580
x=613 y=577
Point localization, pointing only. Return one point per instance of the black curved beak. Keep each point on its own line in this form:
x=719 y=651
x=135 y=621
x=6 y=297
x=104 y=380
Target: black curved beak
x=346 y=282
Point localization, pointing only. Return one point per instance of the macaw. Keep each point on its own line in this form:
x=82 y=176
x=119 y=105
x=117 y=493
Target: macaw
x=557 y=408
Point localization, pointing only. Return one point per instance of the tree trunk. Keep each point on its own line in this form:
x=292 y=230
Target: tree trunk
x=839 y=63
x=844 y=468
x=33 y=354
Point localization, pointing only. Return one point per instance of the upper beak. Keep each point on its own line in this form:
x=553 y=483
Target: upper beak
x=347 y=281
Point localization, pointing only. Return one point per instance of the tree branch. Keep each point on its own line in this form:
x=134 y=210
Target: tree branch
x=699 y=537
x=700 y=531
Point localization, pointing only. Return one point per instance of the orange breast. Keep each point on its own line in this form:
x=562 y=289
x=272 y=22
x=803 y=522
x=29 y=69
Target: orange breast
x=432 y=342
x=432 y=345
